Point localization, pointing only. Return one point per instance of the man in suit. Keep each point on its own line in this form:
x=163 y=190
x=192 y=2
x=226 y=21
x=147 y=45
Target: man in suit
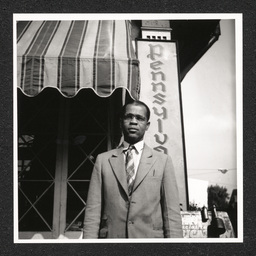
x=133 y=191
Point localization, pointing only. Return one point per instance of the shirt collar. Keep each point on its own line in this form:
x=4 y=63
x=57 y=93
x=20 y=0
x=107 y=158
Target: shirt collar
x=138 y=146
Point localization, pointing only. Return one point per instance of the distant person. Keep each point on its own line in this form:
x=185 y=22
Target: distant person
x=133 y=190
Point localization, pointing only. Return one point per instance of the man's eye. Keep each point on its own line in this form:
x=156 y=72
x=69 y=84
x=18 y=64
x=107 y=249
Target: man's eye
x=137 y=117
x=140 y=118
x=128 y=117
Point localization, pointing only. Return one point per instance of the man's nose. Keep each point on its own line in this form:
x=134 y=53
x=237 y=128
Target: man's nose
x=134 y=120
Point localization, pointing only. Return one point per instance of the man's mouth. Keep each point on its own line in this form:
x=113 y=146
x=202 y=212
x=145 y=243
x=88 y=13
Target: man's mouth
x=132 y=130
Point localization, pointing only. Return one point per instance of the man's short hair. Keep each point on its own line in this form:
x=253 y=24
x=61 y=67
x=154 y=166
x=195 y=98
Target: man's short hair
x=136 y=103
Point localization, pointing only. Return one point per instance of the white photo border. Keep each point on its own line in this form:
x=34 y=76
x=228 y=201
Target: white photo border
x=238 y=17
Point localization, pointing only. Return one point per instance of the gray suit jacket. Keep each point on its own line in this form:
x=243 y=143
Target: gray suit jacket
x=152 y=211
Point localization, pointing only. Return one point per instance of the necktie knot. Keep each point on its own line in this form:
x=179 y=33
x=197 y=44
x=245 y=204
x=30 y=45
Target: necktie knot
x=129 y=149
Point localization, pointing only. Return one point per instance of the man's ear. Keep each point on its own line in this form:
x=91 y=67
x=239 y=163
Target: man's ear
x=148 y=124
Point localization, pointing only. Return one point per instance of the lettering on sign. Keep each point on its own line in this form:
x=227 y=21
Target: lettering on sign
x=160 y=90
x=193 y=227
x=158 y=78
x=155 y=86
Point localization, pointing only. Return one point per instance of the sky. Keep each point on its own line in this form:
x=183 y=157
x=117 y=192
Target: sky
x=209 y=111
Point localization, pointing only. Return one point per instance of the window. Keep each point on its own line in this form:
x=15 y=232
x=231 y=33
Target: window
x=59 y=140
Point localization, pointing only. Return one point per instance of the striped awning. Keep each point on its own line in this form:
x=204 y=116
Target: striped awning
x=72 y=55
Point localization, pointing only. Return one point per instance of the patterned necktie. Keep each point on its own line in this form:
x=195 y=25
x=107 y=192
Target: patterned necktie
x=130 y=170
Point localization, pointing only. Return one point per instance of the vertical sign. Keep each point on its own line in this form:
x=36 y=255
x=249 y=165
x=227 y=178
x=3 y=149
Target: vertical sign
x=160 y=90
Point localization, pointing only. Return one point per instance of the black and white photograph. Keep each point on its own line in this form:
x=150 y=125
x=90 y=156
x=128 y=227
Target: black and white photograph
x=127 y=128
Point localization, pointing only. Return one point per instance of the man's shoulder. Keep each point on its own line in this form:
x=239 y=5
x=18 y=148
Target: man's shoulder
x=108 y=153
x=162 y=159
x=157 y=153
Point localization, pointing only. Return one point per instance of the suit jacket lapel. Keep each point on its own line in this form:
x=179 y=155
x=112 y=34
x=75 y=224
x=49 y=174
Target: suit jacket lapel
x=118 y=166
x=146 y=162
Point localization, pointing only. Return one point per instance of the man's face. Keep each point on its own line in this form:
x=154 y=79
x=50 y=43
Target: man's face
x=134 y=123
